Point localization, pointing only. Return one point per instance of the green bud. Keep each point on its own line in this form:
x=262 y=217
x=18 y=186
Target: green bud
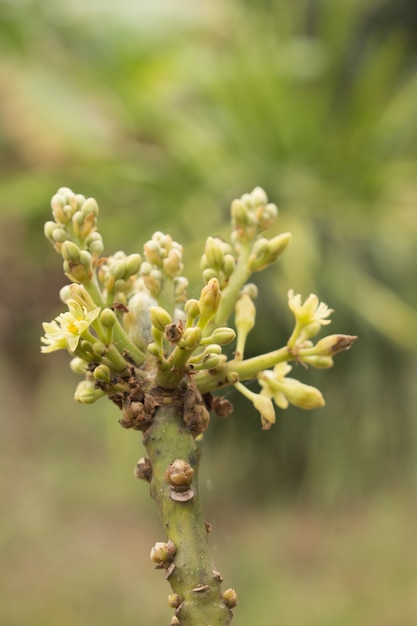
x=214 y=253
x=180 y=288
x=59 y=235
x=89 y=206
x=209 y=301
x=77 y=221
x=94 y=243
x=162 y=552
x=192 y=310
x=155 y=350
x=108 y=318
x=278 y=244
x=221 y=336
x=65 y=293
x=172 y=264
x=319 y=362
x=77 y=272
x=258 y=196
x=88 y=225
x=152 y=252
x=229 y=265
x=209 y=273
x=70 y=251
x=160 y=318
x=86 y=393
x=48 y=229
x=102 y=373
x=230 y=595
x=239 y=213
x=118 y=269
x=78 y=366
x=210 y=362
x=332 y=344
x=191 y=338
x=133 y=262
x=99 y=348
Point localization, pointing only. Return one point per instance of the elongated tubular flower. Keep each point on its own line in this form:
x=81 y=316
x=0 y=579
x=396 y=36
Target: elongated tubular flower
x=65 y=331
x=285 y=390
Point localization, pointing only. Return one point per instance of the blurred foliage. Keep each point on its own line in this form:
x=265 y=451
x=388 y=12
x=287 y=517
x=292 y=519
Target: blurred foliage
x=164 y=113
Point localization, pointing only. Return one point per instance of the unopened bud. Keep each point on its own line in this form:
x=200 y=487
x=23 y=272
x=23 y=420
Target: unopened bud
x=214 y=253
x=70 y=251
x=191 y=338
x=162 y=553
x=332 y=344
x=102 y=373
x=230 y=598
x=108 y=318
x=159 y=318
x=86 y=393
x=221 y=336
x=133 y=262
x=209 y=301
x=174 y=600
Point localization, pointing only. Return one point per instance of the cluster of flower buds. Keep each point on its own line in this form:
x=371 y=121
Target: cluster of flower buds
x=131 y=313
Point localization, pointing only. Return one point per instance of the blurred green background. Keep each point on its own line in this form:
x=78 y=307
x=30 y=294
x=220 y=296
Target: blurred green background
x=165 y=112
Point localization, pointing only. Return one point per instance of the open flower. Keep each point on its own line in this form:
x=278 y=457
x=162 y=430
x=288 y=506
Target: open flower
x=65 y=331
x=284 y=391
x=310 y=316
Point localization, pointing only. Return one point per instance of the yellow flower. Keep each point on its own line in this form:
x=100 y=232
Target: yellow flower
x=310 y=315
x=283 y=390
x=65 y=331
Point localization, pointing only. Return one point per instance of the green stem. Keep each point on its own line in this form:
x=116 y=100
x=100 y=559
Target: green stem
x=231 y=292
x=193 y=574
x=246 y=370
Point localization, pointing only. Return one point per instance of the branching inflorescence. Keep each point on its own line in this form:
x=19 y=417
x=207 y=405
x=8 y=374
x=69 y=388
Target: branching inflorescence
x=136 y=337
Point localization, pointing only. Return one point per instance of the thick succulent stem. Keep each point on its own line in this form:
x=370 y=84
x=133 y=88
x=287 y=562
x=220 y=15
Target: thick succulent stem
x=174 y=459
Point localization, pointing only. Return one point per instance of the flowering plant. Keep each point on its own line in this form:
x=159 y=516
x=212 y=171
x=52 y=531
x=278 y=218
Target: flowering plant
x=137 y=337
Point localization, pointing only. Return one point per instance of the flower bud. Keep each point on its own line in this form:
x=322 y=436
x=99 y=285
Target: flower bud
x=70 y=251
x=209 y=301
x=48 y=229
x=86 y=393
x=319 y=362
x=230 y=598
x=172 y=264
x=59 y=234
x=175 y=600
x=152 y=252
x=229 y=265
x=221 y=336
x=133 y=262
x=162 y=553
x=102 y=373
x=191 y=338
x=89 y=206
x=159 y=318
x=94 y=243
x=192 y=310
x=78 y=366
x=332 y=344
x=214 y=253
x=258 y=196
x=108 y=318
x=301 y=395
